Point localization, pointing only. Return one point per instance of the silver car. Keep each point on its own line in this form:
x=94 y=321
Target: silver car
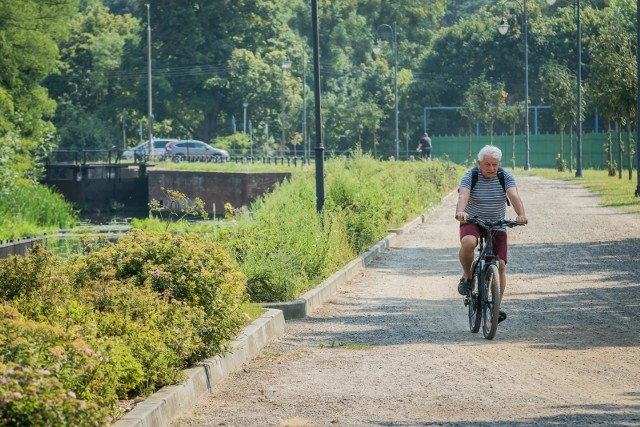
x=195 y=151
x=141 y=151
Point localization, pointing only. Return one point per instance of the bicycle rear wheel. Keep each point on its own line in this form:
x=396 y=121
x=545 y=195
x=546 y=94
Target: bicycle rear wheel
x=490 y=302
x=475 y=311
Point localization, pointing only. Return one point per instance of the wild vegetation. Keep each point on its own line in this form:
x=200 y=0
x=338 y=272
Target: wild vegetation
x=30 y=209
x=118 y=320
x=285 y=247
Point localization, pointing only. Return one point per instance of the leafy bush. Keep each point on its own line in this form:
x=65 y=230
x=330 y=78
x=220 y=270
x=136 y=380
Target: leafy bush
x=118 y=322
x=189 y=270
x=285 y=247
x=35 y=397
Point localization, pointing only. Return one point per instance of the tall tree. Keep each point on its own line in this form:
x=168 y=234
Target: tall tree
x=614 y=81
x=559 y=88
x=30 y=31
x=88 y=88
x=488 y=100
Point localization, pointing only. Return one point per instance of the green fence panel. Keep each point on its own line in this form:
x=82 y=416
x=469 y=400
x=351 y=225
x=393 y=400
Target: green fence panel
x=543 y=149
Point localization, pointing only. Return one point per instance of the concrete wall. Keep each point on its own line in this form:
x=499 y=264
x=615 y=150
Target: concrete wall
x=214 y=188
x=100 y=188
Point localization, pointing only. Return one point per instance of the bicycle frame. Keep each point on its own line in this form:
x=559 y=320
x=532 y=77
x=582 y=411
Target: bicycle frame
x=484 y=253
x=484 y=298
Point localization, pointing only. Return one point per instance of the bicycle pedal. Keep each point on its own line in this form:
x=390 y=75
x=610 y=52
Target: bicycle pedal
x=466 y=300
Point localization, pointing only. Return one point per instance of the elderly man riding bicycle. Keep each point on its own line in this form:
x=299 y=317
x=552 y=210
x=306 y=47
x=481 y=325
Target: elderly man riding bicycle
x=482 y=194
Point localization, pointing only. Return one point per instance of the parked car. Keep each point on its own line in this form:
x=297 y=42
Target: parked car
x=141 y=151
x=195 y=151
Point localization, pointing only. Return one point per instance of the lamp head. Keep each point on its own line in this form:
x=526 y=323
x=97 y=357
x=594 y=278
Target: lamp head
x=503 y=28
x=286 y=63
x=376 y=48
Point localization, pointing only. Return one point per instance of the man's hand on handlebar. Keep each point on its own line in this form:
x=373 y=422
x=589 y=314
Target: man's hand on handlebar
x=521 y=219
x=462 y=216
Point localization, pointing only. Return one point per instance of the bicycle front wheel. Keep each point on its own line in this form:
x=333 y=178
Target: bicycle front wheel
x=490 y=302
x=475 y=311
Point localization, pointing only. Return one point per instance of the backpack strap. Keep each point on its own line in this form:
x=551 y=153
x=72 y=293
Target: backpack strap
x=474 y=180
x=501 y=178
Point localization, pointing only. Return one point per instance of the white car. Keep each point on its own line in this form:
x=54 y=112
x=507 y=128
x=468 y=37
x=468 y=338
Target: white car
x=195 y=151
x=141 y=151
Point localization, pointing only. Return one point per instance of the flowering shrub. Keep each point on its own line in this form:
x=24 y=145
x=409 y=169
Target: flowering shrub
x=118 y=322
x=35 y=397
x=195 y=277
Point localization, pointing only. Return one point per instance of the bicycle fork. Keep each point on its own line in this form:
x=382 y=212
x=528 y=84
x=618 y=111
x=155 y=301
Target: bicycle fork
x=475 y=273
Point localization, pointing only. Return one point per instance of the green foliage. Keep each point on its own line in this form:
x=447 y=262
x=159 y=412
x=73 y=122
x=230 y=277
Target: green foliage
x=118 y=322
x=285 y=247
x=36 y=397
x=237 y=143
x=187 y=269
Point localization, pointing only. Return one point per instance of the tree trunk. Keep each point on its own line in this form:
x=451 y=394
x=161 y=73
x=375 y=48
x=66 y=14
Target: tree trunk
x=612 y=171
x=570 y=148
x=619 y=131
x=629 y=152
x=561 y=144
x=207 y=131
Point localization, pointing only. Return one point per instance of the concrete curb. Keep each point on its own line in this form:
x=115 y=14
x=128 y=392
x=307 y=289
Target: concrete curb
x=162 y=407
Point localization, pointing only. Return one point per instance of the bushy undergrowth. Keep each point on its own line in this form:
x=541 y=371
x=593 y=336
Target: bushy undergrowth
x=26 y=209
x=123 y=319
x=116 y=323
x=286 y=248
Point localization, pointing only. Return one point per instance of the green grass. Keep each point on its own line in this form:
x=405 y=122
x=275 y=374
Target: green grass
x=613 y=192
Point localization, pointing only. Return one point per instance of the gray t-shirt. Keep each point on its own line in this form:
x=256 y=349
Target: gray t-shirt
x=487 y=199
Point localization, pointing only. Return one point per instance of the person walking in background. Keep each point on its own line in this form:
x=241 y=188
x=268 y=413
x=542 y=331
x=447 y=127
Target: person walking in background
x=424 y=147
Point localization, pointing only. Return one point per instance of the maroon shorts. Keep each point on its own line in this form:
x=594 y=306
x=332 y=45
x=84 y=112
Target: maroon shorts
x=499 y=238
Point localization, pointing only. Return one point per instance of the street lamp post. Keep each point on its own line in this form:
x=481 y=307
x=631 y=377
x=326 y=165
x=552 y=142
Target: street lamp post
x=306 y=149
x=245 y=104
x=286 y=64
x=579 y=91
x=149 y=84
x=376 y=50
x=637 y=98
x=503 y=28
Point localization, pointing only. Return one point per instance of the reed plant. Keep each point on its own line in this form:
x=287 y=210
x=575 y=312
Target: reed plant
x=28 y=209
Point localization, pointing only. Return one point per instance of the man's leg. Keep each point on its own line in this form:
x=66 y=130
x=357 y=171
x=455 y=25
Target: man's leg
x=467 y=246
x=502 y=269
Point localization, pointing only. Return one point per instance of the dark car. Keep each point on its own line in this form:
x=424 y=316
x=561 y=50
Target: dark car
x=195 y=151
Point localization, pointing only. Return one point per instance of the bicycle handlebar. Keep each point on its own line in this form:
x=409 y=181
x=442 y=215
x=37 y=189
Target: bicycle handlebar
x=506 y=222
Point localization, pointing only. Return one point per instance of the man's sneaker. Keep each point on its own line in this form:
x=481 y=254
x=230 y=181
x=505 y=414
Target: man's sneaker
x=464 y=286
x=501 y=316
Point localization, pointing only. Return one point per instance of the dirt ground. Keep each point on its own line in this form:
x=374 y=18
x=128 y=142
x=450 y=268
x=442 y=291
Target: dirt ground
x=393 y=347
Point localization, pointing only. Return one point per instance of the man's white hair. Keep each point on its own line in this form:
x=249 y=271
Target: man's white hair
x=491 y=151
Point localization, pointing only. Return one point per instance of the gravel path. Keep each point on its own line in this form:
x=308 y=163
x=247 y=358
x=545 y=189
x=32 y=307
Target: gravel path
x=393 y=347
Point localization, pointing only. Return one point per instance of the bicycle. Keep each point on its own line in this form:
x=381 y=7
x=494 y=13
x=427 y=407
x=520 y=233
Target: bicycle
x=483 y=298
